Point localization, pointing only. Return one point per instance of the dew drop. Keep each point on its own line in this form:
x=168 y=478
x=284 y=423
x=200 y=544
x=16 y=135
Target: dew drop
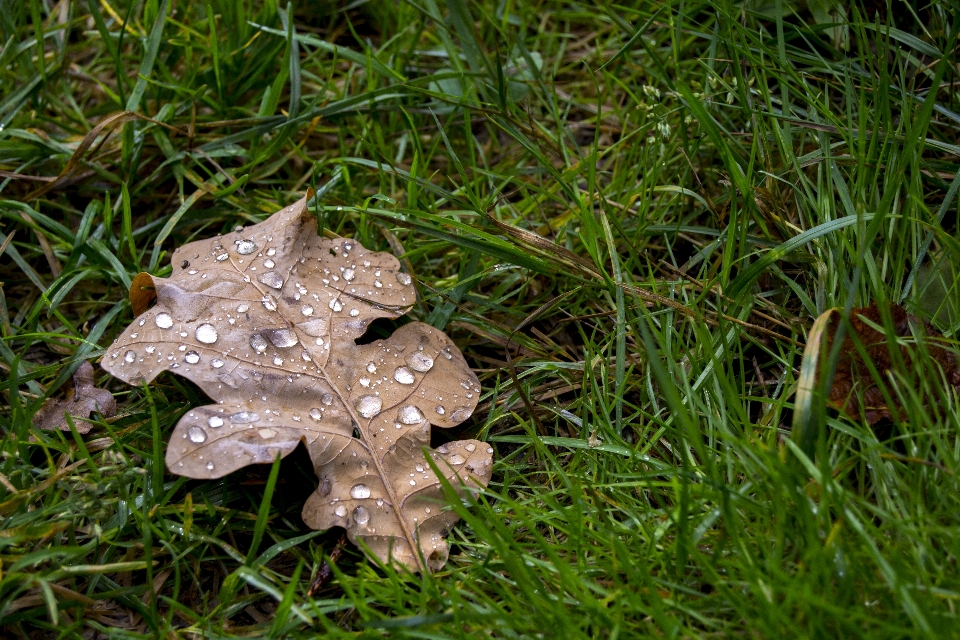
x=269 y=303
x=196 y=434
x=206 y=333
x=244 y=417
x=222 y=257
x=192 y=357
x=129 y=356
x=404 y=376
x=471 y=447
x=361 y=516
x=368 y=406
x=215 y=421
x=269 y=264
x=340 y=511
x=306 y=355
x=460 y=414
x=426 y=509
x=246 y=247
x=409 y=415
x=306 y=310
x=348 y=274
x=267 y=434
x=150 y=349
x=420 y=468
x=317 y=327
x=243 y=308
x=281 y=338
x=403 y=278
x=371 y=368
x=271 y=251
x=164 y=320
x=210 y=466
x=336 y=305
x=456 y=459
x=326 y=399
x=216 y=363
x=272 y=279
x=277 y=360
x=440 y=409
x=315 y=413
x=360 y=491
x=489 y=449
x=258 y=343
x=419 y=361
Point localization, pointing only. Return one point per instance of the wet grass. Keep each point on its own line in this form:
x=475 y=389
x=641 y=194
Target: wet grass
x=627 y=217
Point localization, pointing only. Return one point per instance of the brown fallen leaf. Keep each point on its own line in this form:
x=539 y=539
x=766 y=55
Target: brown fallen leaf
x=81 y=399
x=264 y=320
x=854 y=390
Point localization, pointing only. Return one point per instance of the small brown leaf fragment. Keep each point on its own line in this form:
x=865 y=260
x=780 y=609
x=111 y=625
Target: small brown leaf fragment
x=81 y=399
x=265 y=321
x=854 y=390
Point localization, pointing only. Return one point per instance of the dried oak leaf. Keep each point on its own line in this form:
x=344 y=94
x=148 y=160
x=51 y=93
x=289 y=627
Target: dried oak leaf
x=80 y=400
x=854 y=390
x=264 y=320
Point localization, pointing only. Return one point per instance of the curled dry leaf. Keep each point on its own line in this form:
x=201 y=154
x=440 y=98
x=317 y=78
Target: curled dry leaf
x=854 y=390
x=264 y=320
x=82 y=399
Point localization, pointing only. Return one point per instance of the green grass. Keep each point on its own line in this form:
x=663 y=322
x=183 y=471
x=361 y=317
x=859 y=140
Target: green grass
x=626 y=216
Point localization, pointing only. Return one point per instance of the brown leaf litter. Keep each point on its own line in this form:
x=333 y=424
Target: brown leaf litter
x=81 y=399
x=854 y=390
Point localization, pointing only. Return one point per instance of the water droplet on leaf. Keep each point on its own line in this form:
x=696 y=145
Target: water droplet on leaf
x=206 y=333
x=361 y=516
x=419 y=361
x=360 y=491
x=403 y=375
x=281 y=338
x=409 y=415
x=244 y=417
x=258 y=343
x=368 y=406
x=272 y=279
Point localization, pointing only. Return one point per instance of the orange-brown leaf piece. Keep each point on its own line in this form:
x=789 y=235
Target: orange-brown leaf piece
x=80 y=400
x=264 y=320
x=854 y=390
